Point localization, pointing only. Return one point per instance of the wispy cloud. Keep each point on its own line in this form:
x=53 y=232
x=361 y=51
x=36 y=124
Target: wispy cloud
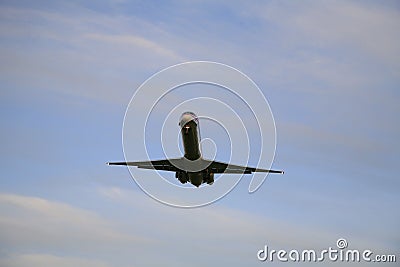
x=370 y=27
x=69 y=52
x=222 y=221
x=36 y=223
x=25 y=260
x=132 y=41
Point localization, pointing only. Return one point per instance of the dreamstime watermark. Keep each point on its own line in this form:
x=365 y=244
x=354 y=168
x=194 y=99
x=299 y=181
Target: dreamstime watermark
x=340 y=253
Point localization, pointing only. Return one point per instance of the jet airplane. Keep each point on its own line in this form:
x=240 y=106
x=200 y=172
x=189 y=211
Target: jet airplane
x=192 y=167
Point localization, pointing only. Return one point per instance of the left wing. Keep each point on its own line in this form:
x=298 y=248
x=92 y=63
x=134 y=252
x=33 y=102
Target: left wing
x=221 y=167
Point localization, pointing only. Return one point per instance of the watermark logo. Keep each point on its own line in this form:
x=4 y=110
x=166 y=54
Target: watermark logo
x=341 y=243
x=340 y=253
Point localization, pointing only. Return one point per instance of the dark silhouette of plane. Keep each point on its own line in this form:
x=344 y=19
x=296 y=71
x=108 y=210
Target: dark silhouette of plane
x=192 y=167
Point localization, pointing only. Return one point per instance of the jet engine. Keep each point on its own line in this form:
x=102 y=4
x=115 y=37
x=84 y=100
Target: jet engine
x=208 y=178
x=182 y=177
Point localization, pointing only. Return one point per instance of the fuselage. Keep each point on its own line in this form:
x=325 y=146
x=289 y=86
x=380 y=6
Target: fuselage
x=190 y=135
x=189 y=125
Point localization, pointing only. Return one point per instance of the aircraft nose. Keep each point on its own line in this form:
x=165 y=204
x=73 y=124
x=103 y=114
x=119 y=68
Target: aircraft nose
x=187 y=117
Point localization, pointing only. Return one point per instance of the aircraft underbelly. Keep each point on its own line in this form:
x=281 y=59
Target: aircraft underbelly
x=196 y=178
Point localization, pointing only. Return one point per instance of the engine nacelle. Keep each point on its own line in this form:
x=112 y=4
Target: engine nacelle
x=208 y=178
x=182 y=177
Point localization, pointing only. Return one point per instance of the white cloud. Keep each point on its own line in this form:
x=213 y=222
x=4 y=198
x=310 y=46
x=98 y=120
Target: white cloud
x=369 y=26
x=35 y=224
x=32 y=222
x=132 y=41
x=326 y=46
x=226 y=225
x=76 y=56
x=25 y=260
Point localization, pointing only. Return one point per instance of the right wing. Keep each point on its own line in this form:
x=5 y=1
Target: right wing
x=163 y=165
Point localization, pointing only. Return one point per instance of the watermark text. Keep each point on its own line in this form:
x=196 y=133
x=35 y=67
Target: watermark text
x=339 y=253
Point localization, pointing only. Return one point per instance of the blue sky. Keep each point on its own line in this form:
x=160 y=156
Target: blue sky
x=329 y=69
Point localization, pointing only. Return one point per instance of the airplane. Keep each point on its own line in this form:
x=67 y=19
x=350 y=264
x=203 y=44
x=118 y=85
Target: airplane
x=192 y=167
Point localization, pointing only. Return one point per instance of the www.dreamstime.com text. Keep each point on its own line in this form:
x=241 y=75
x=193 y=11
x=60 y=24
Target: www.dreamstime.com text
x=339 y=254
